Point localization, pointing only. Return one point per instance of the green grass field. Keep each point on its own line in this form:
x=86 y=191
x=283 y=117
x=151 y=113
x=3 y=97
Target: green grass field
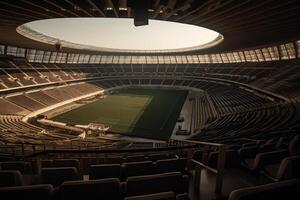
x=140 y=112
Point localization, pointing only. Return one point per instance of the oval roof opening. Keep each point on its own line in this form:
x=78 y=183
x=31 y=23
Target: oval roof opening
x=120 y=35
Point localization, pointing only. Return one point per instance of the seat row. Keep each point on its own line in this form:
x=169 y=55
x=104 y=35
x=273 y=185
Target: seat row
x=274 y=161
x=159 y=186
x=68 y=169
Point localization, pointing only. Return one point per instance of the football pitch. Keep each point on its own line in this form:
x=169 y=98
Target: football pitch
x=140 y=112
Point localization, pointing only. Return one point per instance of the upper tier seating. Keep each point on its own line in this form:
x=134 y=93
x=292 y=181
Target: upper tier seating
x=272 y=76
x=254 y=123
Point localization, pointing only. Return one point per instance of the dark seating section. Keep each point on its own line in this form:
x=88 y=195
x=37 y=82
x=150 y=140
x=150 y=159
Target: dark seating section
x=56 y=176
x=288 y=168
x=125 y=170
x=267 y=158
x=105 y=171
x=275 y=191
x=275 y=159
x=32 y=192
x=150 y=184
x=172 y=165
x=232 y=159
x=294 y=147
x=23 y=167
x=138 y=169
x=106 y=189
x=66 y=163
x=10 y=178
x=46 y=163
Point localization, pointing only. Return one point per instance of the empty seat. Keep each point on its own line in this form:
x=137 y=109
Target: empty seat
x=105 y=189
x=21 y=166
x=150 y=184
x=10 y=178
x=137 y=169
x=5 y=157
x=232 y=159
x=267 y=158
x=294 y=147
x=268 y=147
x=157 y=196
x=198 y=155
x=275 y=191
x=288 y=168
x=46 y=163
x=33 y=192
x=172 y=165
x=56 y=176
x=66 y=163
x=282 y=143
x=247 y=154
x=105 y=171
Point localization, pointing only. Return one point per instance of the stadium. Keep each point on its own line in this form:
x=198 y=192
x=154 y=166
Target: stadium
x=150 y=99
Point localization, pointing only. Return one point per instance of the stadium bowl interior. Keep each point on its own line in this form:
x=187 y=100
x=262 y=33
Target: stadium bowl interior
x=90 y=109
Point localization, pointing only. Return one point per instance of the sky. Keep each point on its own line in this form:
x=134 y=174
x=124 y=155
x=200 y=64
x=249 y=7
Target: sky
x=120 y=33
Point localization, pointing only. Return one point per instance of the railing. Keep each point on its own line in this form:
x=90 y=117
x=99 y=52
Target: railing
x=39 y=152
x=219 y=171
x=23 y=150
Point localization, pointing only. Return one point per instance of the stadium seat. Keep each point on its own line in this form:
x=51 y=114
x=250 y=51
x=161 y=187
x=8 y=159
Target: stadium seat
x=294 y=147
x=137 y=169
x=106 y=189
x=151 y=184
x=5 y=157
x=172 y=165
x=276 y=191
x=248 y=152
x=282 y=143
x=46 y=163
x=267 y=158
x=114 y=160
x=56 y=176
x=268 y=147
x=105 y=171
x=32 y=192
x=10 y=178
x=198 y=155
x=66 y=163
x=232 y=159
x=288 y=168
